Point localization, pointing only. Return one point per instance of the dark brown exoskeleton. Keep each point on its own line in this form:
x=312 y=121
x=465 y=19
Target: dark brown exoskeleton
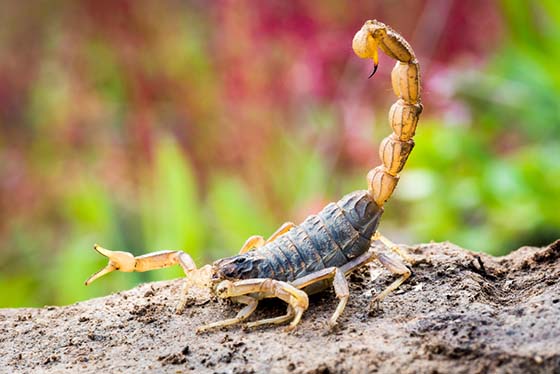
x=298 y=260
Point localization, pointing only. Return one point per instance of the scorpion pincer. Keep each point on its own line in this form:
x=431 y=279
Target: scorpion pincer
x=298 y=260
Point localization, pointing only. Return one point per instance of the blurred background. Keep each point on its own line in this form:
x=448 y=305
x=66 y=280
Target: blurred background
x=144 y=125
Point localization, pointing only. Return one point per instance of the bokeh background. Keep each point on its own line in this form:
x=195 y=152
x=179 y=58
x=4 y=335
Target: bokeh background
x=146 y=125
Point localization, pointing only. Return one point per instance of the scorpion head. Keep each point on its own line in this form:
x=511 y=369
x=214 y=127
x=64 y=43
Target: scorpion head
x=366 y=41
x=221 y=282
x=242 y=266
x=228 y=270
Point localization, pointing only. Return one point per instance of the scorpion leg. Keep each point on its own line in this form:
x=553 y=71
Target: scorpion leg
x=340 y=287
x=395 y=248
x=256 y=241
x=126 y=262
x=296 y=299
x=340 y=283
x=275 y=320
x=395 y=267
x=241 y=316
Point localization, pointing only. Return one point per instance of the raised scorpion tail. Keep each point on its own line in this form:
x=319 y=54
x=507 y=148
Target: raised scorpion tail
x=404 y=114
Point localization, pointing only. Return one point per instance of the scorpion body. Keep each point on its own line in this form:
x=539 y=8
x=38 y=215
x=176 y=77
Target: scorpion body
x=299 y=260
x=338 y=234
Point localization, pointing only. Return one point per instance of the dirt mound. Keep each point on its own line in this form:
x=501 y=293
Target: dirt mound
x=460 y=312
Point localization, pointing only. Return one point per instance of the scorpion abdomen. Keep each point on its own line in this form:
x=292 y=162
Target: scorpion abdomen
x=333 y=237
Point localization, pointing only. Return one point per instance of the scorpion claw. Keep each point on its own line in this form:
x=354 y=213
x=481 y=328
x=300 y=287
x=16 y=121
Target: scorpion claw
x=122 y=261
x=106 y=270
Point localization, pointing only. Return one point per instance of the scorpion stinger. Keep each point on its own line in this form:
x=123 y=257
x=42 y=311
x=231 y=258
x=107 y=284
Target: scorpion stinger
x=374 y=70
x=365 y=46
x=298 y=260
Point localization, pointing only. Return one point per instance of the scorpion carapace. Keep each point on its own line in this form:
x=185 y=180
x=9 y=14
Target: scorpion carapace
x=336 y=235
x=298 y=260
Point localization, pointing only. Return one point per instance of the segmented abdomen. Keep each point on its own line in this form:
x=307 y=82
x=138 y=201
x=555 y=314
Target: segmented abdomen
x=334 y=236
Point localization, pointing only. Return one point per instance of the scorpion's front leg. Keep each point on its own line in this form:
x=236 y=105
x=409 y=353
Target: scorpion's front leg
x=241 y=316
x=274 y=320
x=264 y=288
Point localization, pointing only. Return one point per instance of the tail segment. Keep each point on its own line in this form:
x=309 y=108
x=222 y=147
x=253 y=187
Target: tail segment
x=403 y=116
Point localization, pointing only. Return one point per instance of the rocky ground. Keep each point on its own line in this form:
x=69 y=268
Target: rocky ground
x=460 y=312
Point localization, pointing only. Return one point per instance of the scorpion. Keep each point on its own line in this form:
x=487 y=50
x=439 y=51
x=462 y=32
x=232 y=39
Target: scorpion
x=299 y=260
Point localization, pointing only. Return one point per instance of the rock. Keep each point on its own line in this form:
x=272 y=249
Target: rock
x=460 y=312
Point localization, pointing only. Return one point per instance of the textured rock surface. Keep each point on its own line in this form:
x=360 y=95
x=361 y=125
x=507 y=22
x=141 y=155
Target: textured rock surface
x=460 y=312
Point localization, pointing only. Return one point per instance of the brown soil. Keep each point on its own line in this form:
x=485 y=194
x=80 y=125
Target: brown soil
x=460 y=312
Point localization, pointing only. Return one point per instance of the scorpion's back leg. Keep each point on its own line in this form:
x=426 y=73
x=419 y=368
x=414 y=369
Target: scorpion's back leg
x=256 y=241
x=265 y=288
x=340 y=283
x=393 y=247
x=396 y=267
x=241 y=316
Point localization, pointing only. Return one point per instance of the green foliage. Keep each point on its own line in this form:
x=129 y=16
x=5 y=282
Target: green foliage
x=169 y=207
x=489 y=181
x=234 y=215
x=471 y=197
